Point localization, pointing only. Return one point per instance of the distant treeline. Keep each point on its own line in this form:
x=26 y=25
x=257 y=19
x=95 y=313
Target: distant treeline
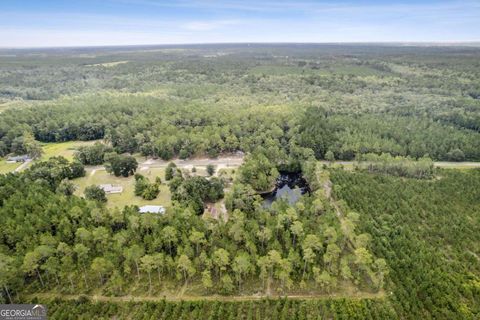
x=207 y=100
x=164 y=129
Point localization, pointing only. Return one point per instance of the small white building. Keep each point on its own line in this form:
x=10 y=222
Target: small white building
x=22 y=158
x=110 y=188
x=152 y=209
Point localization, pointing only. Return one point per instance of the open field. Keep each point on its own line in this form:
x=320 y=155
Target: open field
x=98 y=175
x=223 y=162
x=7 y=167
x=151 y=169
x=64 y=149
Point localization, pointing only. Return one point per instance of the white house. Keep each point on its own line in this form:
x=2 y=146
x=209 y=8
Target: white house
x=152 y=209
x=110 y=188
x=21 y=158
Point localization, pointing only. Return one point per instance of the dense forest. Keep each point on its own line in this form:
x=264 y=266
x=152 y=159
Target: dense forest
x=167 y=102
x=387 y=237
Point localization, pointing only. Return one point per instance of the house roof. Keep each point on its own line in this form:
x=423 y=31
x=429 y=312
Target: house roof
x=152 y=209
x=109 y=188
x=17 y=158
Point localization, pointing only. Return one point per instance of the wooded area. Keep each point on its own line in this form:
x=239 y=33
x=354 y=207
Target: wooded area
x=391 y=237
x=406 y=101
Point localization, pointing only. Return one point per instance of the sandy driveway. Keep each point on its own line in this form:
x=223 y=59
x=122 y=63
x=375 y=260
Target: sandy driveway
x=220 y=162
x=22 y=166
x=438 y=164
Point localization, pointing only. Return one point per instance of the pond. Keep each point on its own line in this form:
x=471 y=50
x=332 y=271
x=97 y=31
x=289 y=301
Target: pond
x=289 y=186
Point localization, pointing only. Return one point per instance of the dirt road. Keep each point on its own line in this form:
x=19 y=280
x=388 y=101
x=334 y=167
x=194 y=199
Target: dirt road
x=220 y=162
x=438 y=164
x=160 y=297
x=22 y=166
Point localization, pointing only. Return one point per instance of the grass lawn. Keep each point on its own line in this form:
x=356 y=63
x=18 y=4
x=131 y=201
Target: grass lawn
x=64 y=149
x=7 y=167
x=127 y=197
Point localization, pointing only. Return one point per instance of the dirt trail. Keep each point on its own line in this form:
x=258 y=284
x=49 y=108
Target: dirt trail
x=153 y=298
x=327 y=186
x=438 y=164
x=22 y=166
x=182 y=290
x=220 y=162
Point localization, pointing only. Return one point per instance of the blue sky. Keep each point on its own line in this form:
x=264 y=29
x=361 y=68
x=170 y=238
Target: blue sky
x=42 y=23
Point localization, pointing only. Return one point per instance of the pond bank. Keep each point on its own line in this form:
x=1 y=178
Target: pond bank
x=290 y=186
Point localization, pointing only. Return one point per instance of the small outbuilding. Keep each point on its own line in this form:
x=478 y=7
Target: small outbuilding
x=152 y=209
x=110 y=188
x=21 y=158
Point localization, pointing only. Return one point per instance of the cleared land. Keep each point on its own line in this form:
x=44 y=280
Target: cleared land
x=158 y=298
x=7 y=167
x=231 y=161
x=98 y=175
x=151 y=169
x=437 y=164
x=64 y=149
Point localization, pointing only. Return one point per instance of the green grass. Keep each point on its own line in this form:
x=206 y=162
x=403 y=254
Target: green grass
x=127 y=197
x=64 y=149
x=7 y=167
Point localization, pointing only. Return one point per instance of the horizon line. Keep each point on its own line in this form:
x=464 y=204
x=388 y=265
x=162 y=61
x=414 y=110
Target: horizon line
x=408 y=43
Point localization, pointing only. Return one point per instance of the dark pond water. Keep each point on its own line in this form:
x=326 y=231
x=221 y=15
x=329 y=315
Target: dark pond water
x=289 y=186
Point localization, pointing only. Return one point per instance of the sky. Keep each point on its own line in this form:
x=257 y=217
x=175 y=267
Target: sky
x=54 y=23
